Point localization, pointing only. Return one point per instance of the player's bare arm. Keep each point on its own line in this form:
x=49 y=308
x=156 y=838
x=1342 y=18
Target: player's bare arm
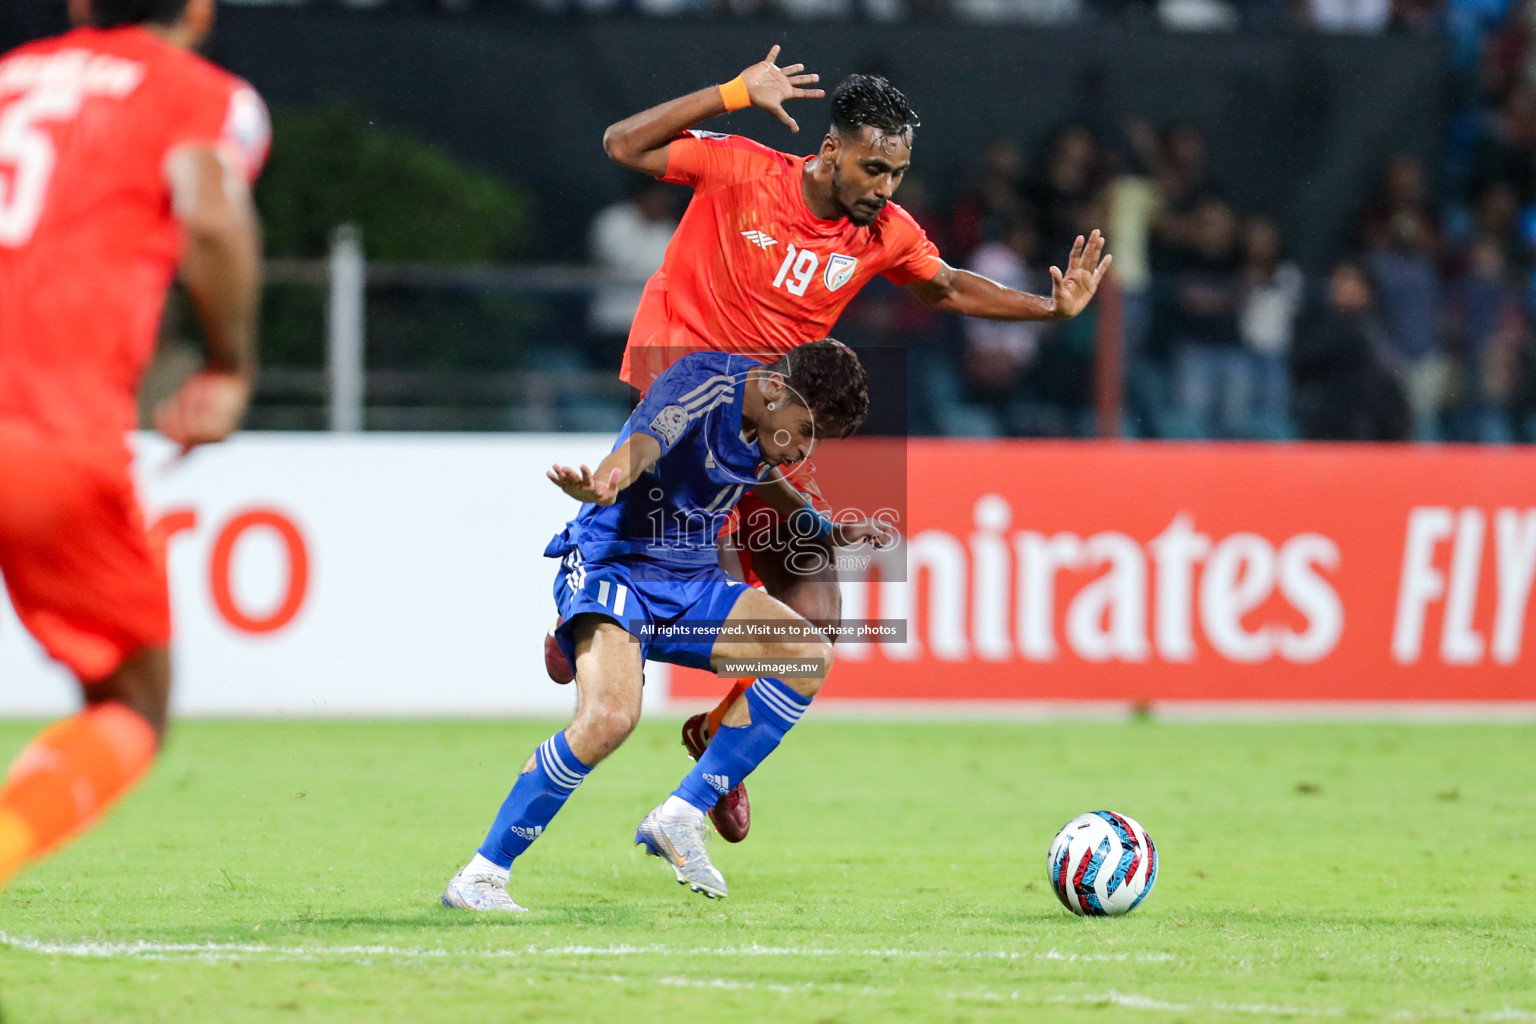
x=221 y=268
x=961 y=291
x=779 y=494
x=642 y=141
x=621 y=468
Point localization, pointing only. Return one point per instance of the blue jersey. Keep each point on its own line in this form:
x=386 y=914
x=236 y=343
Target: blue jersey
x=673 y=513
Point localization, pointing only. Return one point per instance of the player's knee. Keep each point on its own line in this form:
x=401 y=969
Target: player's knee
x=817 y=656
x=609 y=724
x=824 y=655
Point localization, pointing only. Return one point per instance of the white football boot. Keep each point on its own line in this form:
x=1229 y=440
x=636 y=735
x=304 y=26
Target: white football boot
x=681 y=844
x=479 y=890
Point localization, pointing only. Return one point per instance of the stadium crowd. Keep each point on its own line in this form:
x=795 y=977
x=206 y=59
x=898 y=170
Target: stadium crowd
x=1345 y=16
x=1420 y=327
x=1422 y=324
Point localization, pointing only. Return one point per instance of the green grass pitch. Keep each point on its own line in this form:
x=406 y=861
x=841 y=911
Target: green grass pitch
x=290 y=871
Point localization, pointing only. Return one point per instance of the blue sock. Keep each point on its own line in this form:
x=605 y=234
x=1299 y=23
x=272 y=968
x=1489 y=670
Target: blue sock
x=733 y=752
x=534 y=801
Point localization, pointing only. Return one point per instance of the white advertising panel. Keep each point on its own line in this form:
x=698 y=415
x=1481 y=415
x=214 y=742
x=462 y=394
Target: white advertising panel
x=322 y=574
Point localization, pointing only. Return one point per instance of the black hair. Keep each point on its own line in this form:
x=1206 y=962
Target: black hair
x=117 y=13
x=869 y=100
x=827 y=377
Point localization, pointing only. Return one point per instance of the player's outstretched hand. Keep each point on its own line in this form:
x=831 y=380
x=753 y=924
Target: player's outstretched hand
x=880 y=534
x=1071 y=291
x=207 y=409
x=770 y=85
x=584 y=487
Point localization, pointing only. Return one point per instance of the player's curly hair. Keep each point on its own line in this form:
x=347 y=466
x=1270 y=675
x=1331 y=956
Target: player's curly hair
x=117 y=13
x=869 y=100
x=828 y=378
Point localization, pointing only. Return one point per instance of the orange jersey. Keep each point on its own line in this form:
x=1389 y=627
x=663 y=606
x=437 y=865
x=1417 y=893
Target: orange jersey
x=88 y=242
x=750 y=268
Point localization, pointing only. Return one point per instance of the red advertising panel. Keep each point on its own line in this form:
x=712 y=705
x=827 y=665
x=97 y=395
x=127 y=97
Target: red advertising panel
x=1062 y=571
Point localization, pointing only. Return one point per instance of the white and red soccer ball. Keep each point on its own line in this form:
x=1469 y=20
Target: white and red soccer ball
x=1102 y=864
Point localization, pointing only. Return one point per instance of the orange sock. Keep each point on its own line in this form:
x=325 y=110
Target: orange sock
x=66 y=777
x=716 y=715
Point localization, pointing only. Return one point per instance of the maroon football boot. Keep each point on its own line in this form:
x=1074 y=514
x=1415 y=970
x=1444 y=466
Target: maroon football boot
x=732 y=815
x=555 y=661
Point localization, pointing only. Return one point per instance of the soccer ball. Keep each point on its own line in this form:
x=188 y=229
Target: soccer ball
x=1102 y=864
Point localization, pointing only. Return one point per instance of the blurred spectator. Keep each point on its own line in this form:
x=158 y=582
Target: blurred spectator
x=1506 y=141
x=1034 y=11
x=802 y=10
x=1522 y=406
x=1356 y=16
x=1403 y=194
x=1196 y=15
x=1416 y=17
x=1273 y=290
x=997 y=352
x=1133 y=202
x=1339 y=390
x=1067 y=196
x=1466 y=20
x=1496 y=218
x=994 y=201
x=1492 y=330
x=916 y=198
x=628 y=240
x=1213 y=373
x=1180 y=174
x=1406 y=281
x=1177 y=163
x=1059 y=388
x=888 y=317
x=882 y=315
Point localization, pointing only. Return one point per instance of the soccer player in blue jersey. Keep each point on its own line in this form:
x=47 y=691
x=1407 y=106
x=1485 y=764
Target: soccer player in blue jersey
x=640 y=578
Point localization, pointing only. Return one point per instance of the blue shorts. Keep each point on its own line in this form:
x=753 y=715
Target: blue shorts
x=673 y=612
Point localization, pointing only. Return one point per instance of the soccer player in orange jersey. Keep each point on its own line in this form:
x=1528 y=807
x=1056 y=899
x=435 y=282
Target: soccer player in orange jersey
x=771 y=249
x=122 y=155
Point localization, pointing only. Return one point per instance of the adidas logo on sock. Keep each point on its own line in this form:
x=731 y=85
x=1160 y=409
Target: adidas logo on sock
x=718 y=783
x=529 y=834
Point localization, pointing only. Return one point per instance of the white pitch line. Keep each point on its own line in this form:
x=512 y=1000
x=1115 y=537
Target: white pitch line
x=144 y=950
x=731 y=984
x=1135 y=1002
x=1127 y=1000
x=360 y=955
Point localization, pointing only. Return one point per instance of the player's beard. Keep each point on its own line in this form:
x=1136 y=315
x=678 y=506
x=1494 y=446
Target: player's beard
x=860 y=215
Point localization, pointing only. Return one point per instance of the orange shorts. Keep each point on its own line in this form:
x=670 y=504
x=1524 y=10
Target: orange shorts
x=73 y=551
x=753 y=518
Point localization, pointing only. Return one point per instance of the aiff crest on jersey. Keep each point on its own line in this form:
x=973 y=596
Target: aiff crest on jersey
x=839 y=271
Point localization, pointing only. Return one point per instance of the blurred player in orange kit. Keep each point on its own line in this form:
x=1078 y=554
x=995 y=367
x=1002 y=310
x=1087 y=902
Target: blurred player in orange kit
x=771 y=249
x=122 y=155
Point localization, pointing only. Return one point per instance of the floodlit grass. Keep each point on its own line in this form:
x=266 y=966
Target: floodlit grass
x=289 y=871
